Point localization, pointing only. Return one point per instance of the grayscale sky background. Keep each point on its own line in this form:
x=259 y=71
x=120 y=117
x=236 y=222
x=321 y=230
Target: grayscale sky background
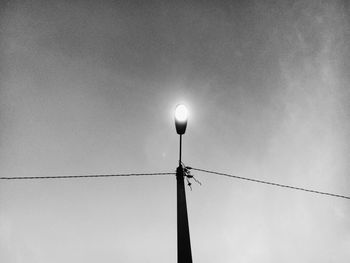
x=90 y=87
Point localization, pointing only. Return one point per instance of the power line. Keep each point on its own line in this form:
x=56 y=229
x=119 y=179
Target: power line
x=155 y=174
x=270 y=183
x=81 y=176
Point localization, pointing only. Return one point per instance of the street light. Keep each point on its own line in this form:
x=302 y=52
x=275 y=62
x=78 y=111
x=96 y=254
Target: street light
x=181 y=116
x=184 y=253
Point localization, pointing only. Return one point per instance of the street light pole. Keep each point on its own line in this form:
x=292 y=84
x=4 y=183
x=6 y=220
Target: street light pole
x=184 y=254
x=180 y=151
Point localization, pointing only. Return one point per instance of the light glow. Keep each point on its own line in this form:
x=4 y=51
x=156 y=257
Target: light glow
x=181 y=113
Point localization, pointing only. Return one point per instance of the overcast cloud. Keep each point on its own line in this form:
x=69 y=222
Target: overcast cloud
x=90 y=87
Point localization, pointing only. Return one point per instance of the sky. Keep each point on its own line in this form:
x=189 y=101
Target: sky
x=90 y=87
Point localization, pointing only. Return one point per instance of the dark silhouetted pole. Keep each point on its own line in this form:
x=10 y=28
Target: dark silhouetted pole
x=180 y=151
x=184 y=254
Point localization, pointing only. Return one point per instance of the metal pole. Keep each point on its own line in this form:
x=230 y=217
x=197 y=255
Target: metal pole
x=180 y=151
x=184 y=254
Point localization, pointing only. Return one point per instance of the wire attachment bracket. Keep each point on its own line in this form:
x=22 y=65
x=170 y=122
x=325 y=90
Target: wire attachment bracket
x=189 y=176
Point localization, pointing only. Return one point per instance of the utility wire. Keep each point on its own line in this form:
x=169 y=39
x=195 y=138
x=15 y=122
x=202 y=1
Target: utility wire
x=190 y=168
x=270 y=183
x=81 y=176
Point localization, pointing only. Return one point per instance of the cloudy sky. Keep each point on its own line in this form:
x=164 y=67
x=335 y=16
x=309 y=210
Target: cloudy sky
x=89 y=87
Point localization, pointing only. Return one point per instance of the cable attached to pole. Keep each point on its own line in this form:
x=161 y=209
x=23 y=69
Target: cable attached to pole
x=81 y=176
x=270 y=183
